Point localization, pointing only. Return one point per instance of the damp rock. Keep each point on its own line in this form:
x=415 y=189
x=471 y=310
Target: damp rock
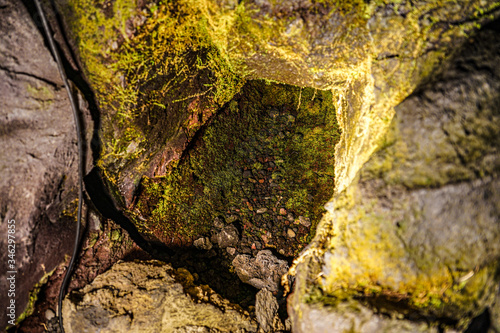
x=263 y=271
x=203 y=243
x=229 y=236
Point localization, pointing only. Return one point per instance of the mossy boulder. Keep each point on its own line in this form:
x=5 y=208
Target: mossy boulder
x=263 y=163
x=416 y=234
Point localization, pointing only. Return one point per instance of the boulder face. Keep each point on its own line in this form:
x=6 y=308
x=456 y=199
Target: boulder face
x=150 y=297
x=38 y=159
x=417 y=234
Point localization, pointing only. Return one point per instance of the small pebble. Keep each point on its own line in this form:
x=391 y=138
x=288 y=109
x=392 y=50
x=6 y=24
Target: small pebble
x=218 y=222
x=49 y=314
x=203 y=243
x=291 y=233
x=261 y=210
x=305 y=221
x=282 y=211
x=231 y=250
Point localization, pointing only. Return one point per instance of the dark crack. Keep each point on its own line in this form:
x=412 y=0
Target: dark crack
x=44 y=80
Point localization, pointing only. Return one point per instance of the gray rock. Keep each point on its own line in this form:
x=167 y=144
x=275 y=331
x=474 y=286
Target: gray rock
x=38 y=154
x=203 y=243
x=266 y=309
x=146 y=297
x=263 y=271
x=229 y=236
x=49 y=314
x=352 y=317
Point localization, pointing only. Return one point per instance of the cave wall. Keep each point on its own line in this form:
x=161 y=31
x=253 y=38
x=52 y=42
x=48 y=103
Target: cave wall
x=161 y=71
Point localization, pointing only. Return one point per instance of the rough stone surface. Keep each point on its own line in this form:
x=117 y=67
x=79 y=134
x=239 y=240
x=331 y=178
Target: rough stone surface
x=229 y=236
x=420 y=222
x=38 y=155
x=263 y=271
x=150 y=297
x=203 y=243
x=350 y=317
x=434 y=165
x=371 y=55
x=266 y=311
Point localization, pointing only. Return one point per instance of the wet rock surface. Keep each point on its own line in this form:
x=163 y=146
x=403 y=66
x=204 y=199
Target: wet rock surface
x=151 y=297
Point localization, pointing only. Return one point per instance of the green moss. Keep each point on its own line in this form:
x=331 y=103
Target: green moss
x=41 y=94
x=369 y=261
x=260 y=151
x=155 y=70
x=115 y=236
x=33 y=297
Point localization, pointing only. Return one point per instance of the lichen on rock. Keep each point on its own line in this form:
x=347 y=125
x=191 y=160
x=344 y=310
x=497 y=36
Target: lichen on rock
x=416 y=234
